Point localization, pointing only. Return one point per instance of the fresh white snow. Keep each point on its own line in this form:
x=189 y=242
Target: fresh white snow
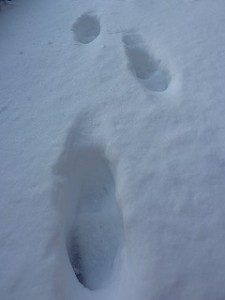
x=112 y=153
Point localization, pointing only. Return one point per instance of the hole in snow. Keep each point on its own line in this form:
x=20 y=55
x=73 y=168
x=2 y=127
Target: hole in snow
x=93 y=220
x=145 y=67
x=86 y=28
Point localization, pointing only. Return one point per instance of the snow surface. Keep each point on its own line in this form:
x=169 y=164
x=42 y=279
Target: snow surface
x=112 y=150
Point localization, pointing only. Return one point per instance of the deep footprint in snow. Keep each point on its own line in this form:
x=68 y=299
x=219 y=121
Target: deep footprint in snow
x=92 y=217
x=144 y=66
x=86 y=28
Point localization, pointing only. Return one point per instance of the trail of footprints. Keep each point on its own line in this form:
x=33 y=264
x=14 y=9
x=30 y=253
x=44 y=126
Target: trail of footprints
x=85 y=186
x=147 y=69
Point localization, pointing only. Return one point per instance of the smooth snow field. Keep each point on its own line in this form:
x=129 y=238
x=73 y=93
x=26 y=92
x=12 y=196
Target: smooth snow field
x=112 y=150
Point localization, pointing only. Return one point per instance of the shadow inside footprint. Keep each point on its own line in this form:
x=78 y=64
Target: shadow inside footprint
x=86 y=28
x=145 y=67
x=94 y=226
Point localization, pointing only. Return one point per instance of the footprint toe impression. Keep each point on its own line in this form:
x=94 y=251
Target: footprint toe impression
x=92 y=216
x=86 y=29
x=145 y=67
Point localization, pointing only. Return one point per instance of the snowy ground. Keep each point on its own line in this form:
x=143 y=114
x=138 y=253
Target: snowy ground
x=112 y=152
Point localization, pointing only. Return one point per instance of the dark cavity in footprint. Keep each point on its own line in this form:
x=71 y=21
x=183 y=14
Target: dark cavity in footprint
x=85 y=188
x=86 y=28
x=144 y=66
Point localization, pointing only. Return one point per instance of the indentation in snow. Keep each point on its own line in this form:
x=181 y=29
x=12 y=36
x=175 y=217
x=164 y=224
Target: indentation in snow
x=86 y=28
x=144 y=66
x=85 y=188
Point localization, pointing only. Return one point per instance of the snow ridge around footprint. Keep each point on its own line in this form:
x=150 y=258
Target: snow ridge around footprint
x=85 y=189
x=86 y=28
x=144 y=66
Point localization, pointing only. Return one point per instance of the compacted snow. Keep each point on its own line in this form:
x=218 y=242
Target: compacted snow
x=112 y=152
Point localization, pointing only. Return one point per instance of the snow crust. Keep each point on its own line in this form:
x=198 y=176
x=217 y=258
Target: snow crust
x=112 y=152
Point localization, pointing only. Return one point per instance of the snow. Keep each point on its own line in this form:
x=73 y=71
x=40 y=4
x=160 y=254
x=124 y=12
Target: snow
x=86 y=28
x=112 y=150
x=145 y=68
